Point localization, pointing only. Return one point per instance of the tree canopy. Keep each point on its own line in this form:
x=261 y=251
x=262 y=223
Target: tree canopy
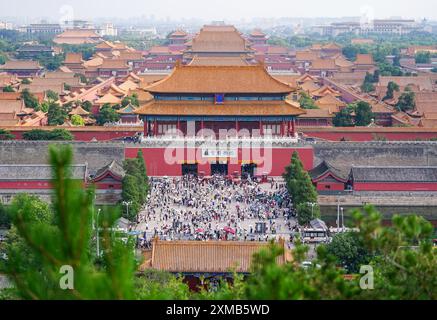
x=30 y=101
x=135 y=186
x=363 y=114
x=301 y=190
x=56 y=114
x=6 y=135
x=45 y=135
x=107 y=114
x=344 y=118
x=306 y=102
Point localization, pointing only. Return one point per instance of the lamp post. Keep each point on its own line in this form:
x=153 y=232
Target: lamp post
x=97 y=233
x=342 y=219
x=127 y=204
x=312 y=204
x=338 y=214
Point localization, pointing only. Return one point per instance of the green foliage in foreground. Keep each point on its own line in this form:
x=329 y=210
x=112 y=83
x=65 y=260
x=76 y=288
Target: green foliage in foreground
x=44 y=239
x=66 y=242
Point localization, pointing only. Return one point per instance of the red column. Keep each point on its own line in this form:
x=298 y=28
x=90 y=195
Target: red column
x=294 y=127
x=155 y=128
x=202 y=126
x=146 y=127
x=282 y=128
x=261 y=128
x=178 y=125
x=237 y=127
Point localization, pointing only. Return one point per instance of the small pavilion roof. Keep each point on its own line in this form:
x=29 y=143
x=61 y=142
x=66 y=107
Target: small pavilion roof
x=113 y=168
x=128 y=85
x=324 y=91
x=324 y=169
x=79 y=111
x=108 y=98
x=129 y=109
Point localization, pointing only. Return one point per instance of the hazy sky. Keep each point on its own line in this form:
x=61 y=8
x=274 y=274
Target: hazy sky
x=218 y=9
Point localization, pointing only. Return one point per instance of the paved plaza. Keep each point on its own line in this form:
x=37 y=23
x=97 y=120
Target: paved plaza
x=216 y=208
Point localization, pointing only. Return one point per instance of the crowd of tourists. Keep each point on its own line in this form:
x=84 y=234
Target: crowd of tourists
x=216 y=208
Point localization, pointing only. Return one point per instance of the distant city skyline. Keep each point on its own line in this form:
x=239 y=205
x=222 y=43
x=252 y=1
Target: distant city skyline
x=228 y=10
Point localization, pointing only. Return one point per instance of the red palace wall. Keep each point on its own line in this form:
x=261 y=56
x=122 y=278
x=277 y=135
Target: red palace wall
x=25 y=185
x=395 y=186
x=326 y=133
x=330 y=186
x=280 y=158
x=370 y=134
x=87 y=134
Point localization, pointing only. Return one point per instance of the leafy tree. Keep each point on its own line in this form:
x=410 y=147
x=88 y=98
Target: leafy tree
x=369 y=81
x=368 y=87
x=107 y=114
x=87 y=50
x=131 y=194
x=350 y=52
x=51 y=62
x=44 y=107
x=306 y=102
x=144 y=179
x=404 y=257
x=306 y=213
x=61 y=135
x=376 y=76
x=423 y=57
x=391 y=88
x=364 y=114
x=2 y=59
x=130 y=100
x=5 y=219
x=349 y=250
x=8 y=89
x=36 y=135
x=343 y=118
x=66 y=242
x=301 y=190
x=135 y=185
x=158 y=285
x=134 y=100
x=6 y=135
x=86 y=105
x=30 y=101
x=43 y=135
x=56 y=114
x=52 y=95
x=77 y=120
x=388 y=70
x=26 y=81
x=407 y=101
